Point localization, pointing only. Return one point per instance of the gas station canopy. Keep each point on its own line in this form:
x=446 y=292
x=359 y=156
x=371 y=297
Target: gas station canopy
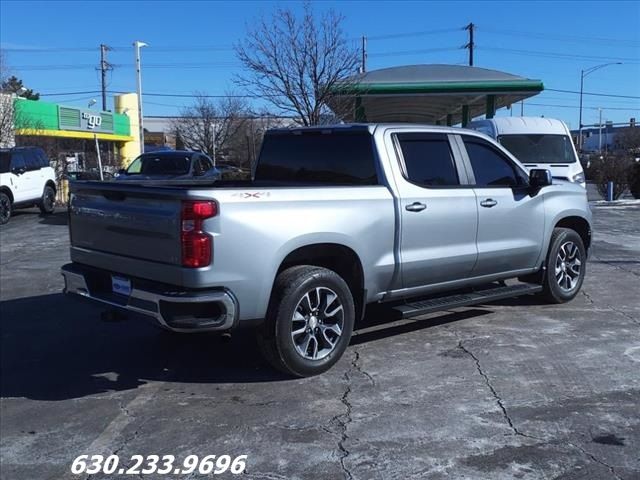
x=437 y=94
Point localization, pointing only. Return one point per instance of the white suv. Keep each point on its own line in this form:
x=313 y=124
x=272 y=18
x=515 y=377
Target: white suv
x=26 y=180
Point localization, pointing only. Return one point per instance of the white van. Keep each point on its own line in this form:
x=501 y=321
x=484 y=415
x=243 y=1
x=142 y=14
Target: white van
x=537 y=143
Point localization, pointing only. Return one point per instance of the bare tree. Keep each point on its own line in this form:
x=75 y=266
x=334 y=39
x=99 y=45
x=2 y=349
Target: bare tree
x=209 y=125
x=6 y=106
x=295 y=63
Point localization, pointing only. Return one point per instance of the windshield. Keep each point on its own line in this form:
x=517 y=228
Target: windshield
x=539 y=148
x=160 y=164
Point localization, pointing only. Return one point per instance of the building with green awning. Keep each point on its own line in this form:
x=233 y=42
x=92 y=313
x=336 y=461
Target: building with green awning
x=434 y=94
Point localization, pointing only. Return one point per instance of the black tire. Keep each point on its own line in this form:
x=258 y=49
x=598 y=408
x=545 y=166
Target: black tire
x=276 y=337
x=561 y=283
x=48 y=201
x=5 y=208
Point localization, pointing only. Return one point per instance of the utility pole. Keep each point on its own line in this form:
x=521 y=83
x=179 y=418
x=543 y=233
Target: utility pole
x=364 y=54
x=104 y=66
x=471 y=44
x=137 y=46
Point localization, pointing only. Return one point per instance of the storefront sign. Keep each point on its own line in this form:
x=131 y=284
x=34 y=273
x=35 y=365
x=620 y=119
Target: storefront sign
x=85 y=120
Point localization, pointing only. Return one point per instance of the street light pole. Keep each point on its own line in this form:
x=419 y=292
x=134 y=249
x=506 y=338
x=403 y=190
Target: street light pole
x=92 y=102
x=600 y=132
x=137 y=46
x=584 y=73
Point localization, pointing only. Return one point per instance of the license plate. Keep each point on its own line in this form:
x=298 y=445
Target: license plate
x=121 y=285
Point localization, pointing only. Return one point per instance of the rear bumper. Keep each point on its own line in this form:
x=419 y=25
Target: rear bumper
x=172 y=308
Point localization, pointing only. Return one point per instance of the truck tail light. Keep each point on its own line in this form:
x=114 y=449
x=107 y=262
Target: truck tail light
x=197 y=246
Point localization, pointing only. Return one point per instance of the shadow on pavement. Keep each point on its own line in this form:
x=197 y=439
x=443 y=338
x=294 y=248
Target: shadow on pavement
x=59 y=217
x=376 y=319
x=54 y=347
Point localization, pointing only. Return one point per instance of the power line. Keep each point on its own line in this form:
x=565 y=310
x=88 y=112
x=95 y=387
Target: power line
x=559 y=55
x=566 y=38
x=392 y=36
x=586 y=108
x=187 y=95
x=592 y=93
x=412 y=52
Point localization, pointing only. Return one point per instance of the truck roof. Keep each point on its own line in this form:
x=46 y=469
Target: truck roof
x=365 y=127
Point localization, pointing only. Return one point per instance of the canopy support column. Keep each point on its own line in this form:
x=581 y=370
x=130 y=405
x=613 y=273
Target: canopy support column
x=491 y=106
x=359 y=113
x=465 y=115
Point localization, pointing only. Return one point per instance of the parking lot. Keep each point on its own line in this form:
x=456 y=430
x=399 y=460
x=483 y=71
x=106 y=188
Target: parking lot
x=513 y=389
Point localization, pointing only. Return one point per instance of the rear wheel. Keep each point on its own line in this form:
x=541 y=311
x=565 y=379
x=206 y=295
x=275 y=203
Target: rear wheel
x=48 y=200
x=565 y=266
x=5 y=208
x=309 y=321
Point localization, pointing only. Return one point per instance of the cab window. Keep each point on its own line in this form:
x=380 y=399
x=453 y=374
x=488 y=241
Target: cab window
x=428 y=160
x=490 y=167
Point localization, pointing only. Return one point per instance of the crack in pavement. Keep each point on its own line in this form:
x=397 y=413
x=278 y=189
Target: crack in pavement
x=593 y=458
x=359 y=369
x=510 y=422
x=626 y=270
x=497 y=397
x=344 y=419
x=587 y=296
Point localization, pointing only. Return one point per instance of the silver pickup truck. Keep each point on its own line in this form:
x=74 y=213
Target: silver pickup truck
x=421 y=218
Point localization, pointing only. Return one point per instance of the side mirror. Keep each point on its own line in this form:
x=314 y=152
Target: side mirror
x=539 y=177
x=19 y=170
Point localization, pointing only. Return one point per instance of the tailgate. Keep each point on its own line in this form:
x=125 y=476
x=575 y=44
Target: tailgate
x=127 y=220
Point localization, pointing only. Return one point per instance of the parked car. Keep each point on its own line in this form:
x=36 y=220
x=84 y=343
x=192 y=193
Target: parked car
x=538 y=143
x=26 y=180
x=174 y=164
x=335 y=219
x=89 y=175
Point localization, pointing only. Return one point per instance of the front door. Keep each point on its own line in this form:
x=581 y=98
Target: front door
x=510 y=219
x=438 y=215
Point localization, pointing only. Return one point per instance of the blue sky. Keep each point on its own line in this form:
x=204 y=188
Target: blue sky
x=66 y=35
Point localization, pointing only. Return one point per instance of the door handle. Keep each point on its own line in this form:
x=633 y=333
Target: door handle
x=415 y=207
x=488 y=203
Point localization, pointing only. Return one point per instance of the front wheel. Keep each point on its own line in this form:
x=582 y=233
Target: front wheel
x=565 y=266
x=5 y=208
x=309 y=321
x=48 y=200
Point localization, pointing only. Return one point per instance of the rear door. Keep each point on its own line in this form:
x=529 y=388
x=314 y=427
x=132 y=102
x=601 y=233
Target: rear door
x=34 y=175
x=438 y=213
x=510 y=220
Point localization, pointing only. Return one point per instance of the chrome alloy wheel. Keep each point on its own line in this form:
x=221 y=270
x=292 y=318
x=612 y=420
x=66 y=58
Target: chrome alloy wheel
x=568 y=266
x=317 y=323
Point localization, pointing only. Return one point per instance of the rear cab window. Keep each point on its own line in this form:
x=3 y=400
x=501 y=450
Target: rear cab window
x=318 y=157
x=428 y=160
